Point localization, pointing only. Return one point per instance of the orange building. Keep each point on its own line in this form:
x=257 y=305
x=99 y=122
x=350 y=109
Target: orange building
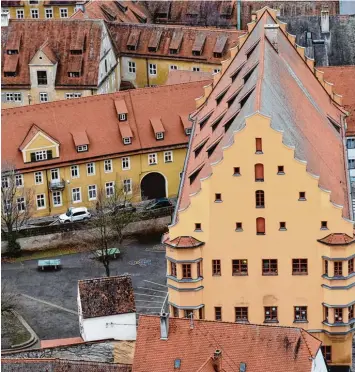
x=263 y=230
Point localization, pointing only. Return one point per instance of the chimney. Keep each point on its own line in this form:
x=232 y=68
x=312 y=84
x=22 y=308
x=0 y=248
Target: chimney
x=324 y=21
x=164 y=326
x=217 y=360
x=271 y=33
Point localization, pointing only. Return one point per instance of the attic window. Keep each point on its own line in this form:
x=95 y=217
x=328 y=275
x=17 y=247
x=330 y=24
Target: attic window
x=122 y=117
x=175 y=43
x=199 y=43
x=82 y=148
x=244 y=100
x=229 y=122
x=133 y=40
x=233 y=97
x=220 y=46
x=188 y=131
x=251 y=50
x=204 y=120
x=9 y=74
x=12 y=51
x=216 y=123
x=248 y=74
x=76 y=51
x=221 y=95
x=334 y=124
x=211 y=149
x=199 y=148
x=74 y=74
x=159 y=136
x=127 y=140
x=235 y=73
x=194 y=175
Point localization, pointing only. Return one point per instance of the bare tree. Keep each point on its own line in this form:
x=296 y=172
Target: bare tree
x=9 y=298
x=16 y=206
x=114 y=211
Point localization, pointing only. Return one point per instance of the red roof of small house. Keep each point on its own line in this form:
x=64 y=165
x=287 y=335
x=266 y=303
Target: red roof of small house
x=184 y=76
x=276 y=84
x=183 y=242
x=59 y=119
x=337 y=239
x=287 y=349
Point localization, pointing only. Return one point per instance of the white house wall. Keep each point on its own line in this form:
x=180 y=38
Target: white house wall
x=318 y=364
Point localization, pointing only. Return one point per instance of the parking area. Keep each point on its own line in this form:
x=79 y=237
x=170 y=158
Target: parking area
x=48 y=300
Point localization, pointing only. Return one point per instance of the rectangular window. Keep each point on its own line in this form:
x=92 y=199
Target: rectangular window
x=41 y=201
x=90 y=169
x=351 y=312
x=152 y=159
x=238 y=226
x=282 y=226
x=126 y=163
x=173 y=67
x=350 y=143
x=122 y=117
x=259 y=199
x=338 y=315
x=20 y=14
x=76 y=195
x=189 y=314
x=57 y=198
x=270 y=314
x=131 y=67
x=43 y=97
x=21 y=205
x=186 y=271
x=199 y=271
x=299 y=266
x=351 y=266
x=110 y=189
x=92 y=192
x=280 y=169
x=196 y=69
x=82 y=148
x=168 y=156
x=218 y=313
x=38 y=178
x=55 y=174
x=269 y=267
x=239 y=267
x=241 y=314
x=175 y=312
x=351 y=163
x=127 y=140
x=14 y=97
x=127 y=186
x=302 y=195
x=198 y=227
x=325 y=313
x=173 y=271
x=72 y=95
x=108 y=166
x=152 y=69
x=74 y=171
x=216 y=268
x=300 y=313
x=201 y=313
x=159 y=136
x=258 y=146
x=41 y=155
x=218 y=197
x=324 y=225
x=216 y=70
x=49 y=13
x=42 y=77
x=325 y=267
x=75 y=74
x=4 y=182
x=19 y=180
x=236 y=171
x=34 y=13
x=63 y=12
x=338 y=268
x=327 y=353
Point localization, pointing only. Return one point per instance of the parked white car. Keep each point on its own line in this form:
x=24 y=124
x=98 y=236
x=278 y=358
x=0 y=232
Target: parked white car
x=75 y=214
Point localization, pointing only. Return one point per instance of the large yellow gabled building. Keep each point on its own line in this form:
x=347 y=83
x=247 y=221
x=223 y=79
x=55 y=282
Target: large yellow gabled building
x=67 y=151
x=263 y=229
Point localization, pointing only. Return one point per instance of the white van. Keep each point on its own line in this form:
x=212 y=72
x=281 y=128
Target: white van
x=75 y=214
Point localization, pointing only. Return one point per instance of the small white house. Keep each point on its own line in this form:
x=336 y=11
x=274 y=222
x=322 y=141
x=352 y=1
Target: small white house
x=107 y=309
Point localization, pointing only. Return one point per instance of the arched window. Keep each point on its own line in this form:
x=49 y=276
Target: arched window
x=260 y=226
x=259 y=199
x=259 y=172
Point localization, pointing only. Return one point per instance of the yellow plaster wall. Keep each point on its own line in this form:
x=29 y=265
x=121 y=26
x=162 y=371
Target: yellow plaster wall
x=27 y=10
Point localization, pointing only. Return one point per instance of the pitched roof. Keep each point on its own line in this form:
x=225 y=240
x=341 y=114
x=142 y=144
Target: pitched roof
x=337 y=239
x=181 y=39
x=343 y=78
x=106 y=296
x=33 y=130
x=280 y=85
x=54 y=37
x=60 y=365
x=183 y=242
x=184 y=76
x=287 y=349
x=59 y=119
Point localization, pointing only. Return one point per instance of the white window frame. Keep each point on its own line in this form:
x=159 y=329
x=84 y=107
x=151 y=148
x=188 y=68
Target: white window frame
x=108 y=186
x=75 y=171
x=20 y=11
x=153 y=69
x=17 y=97
x=56 y=194
x=64 y=9
x=159 y=136
x=168 y=154
x=88 y=167
x=19 y=180
x=13 y=97
x=82 y=148
x=126 y=163
x=122 y=117
x=153 y=159
x=22 y=202
x=173 y=67
x=41 y=198
x=196 y=69
x=41 y=155
x=45 y=13
x=74 y=192
x=132 y=67
x=5 y=181
x=72 y=95
x=127 y=140
x=34 y=10
x=93 y=189
x=106 y=168
x=38 y=178
x=127 y=182
x=43 y=97
x=55 y=170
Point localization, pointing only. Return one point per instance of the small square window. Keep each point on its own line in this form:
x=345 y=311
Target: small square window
x=122 y=117
x=324 y=225
x=218 y=197
x=302 y=195
x=198 y=227
x=196 y=69
x=127 y=140
x=63 y=13
x=283 y=226
x=236 y=171
x=218 y=313
x=173 y=67
x=280 y=169
x=159 y=136
x=238 y=226
x=188 y=131
x=43 y=97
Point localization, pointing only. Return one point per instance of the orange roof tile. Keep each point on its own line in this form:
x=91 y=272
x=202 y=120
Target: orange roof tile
x=11 y=62
x=61 y=342
x=59 y=119
x=279 y=85
x=125 y=129
x=157 y=125
x=75 y=63
x=287 y=349
x=80 y=138
x=183 y=242
x=186 y=123
x=185 y=76
x=337 y=239
x=121 y=107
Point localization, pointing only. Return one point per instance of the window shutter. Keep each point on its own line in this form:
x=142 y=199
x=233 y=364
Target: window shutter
x=260 y=225
x=258 y=145
x=33 y=157
x=259 y=172
x=49 y=154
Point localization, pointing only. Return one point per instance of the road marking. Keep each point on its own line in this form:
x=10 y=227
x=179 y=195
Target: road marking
x=50 y=304
x=151 y=289
x=143 y=294
x=148 y=281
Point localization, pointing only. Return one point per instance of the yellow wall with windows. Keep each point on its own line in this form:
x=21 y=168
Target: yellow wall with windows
x=223 y=242
x=139 y=167
x=26 y=7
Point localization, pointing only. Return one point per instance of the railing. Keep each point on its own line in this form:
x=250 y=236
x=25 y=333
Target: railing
x=56 y=185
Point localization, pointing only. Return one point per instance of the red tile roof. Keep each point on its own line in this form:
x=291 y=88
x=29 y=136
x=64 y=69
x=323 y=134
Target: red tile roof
x=59 y=119
x=337 y=239
x=281 y=86
x=80 y=138
x=343 y=78
x=106 y=296
x=181 y=39
x=54 y=37
x=61 y=342
x=262 y=348
x=184 y=76
x=183 y=242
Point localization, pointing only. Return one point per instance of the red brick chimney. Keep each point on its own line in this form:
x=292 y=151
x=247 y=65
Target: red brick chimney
x=217 y=360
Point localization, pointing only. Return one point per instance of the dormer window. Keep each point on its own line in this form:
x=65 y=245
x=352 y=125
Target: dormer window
x=82 y=148
x=42 y=77
x=76 y=51
x=9 y=74
x=12 y=51
x=127 y=140
x=74 y=74
x=173 y=51
x=160 y=136
x=122 y=117
x=188 y=131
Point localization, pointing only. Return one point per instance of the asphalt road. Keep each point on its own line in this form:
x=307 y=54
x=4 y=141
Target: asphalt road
x=48 y=300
